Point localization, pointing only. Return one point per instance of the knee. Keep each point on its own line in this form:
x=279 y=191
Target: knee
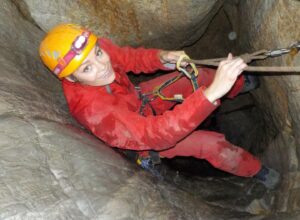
x=209 y=138
x=211 y=143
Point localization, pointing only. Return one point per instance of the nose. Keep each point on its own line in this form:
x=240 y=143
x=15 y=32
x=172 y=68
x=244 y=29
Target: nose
x=101 y=64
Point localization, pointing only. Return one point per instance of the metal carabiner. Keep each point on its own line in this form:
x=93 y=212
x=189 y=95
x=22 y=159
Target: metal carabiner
x=277 y=52
x=282 y=51
x=183 y=70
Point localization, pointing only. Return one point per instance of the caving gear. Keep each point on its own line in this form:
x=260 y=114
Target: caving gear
x=268 y=176
x=114 y=116
x=282 y=51
x=292 y=50
x=149 y=165
x=150 y=162
x=191 y=74
x=65 y=47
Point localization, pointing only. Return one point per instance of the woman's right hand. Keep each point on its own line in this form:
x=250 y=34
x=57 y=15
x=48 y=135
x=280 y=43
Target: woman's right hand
x=226 y=75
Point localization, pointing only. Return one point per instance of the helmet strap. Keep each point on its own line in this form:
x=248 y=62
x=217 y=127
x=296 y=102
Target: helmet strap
x=77 y=47
x=72 y=78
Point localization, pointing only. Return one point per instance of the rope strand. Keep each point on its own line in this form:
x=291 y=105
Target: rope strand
x=248 y=58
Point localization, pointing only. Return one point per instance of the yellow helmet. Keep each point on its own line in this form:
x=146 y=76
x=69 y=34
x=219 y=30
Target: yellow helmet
x=65 y=47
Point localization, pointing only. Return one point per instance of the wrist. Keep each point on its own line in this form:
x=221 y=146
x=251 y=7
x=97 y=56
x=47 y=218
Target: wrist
x=161 y=56
x=210 y=96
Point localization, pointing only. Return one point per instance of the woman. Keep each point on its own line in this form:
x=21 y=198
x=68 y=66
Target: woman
x=101 y=97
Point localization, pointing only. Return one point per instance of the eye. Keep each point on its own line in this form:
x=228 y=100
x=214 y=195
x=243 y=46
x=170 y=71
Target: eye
x=87 y=68
x=99 y=52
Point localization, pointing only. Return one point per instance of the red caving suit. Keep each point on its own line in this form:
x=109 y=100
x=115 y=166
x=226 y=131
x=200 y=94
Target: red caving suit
x=114 y=117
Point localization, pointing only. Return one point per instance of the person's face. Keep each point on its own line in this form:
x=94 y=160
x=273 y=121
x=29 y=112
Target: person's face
x=96 y=69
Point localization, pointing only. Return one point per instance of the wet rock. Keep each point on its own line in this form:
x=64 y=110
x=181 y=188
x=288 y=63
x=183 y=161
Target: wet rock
x=274 y=27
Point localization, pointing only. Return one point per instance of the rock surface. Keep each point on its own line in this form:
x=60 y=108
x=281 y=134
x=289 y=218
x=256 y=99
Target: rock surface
x=162 y=24
x=52 y=169
x=275 y=26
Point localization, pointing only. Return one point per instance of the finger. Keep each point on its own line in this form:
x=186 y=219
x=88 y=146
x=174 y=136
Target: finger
x=229 y=57
x=182 y=52
x=244 y=66
x=226 y=64
x=183 y=64
x=226 y=61
x=239 y=69
x=234 y=68
x=235 y=63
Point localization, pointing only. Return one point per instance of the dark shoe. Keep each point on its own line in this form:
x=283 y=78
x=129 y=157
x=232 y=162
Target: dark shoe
x=251 y=83
x=155 y=169
x=269 y=177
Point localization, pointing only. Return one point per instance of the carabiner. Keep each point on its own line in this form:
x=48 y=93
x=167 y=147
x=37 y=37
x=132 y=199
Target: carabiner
x=183 y=70
x=277 y=53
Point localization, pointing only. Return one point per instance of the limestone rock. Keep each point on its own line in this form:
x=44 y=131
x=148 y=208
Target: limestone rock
x=162 y=24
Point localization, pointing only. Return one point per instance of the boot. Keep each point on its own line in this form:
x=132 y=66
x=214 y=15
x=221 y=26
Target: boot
x=269 y=177
x=155 y=169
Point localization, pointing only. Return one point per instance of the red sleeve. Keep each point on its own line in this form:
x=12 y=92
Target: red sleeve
x=136 y=60
x=237 y=87
x=122 y=128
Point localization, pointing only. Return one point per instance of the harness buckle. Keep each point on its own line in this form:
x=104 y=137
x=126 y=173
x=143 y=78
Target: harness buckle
x=194 y=70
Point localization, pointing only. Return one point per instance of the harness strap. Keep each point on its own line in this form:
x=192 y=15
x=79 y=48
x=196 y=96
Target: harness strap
x=108 y=89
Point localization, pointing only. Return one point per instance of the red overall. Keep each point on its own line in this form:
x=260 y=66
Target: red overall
x=114 y=116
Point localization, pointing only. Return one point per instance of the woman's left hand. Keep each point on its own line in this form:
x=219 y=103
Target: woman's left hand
x=171 y=57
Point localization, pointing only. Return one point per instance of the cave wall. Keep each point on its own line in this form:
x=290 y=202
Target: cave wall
x=51 y=168
x=269 y=25
x=162 y=24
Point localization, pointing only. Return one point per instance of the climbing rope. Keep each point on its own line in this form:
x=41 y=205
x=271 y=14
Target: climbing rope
x=259 y=55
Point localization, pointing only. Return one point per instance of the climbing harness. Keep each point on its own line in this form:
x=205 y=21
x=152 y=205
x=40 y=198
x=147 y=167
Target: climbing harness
x=192 y=75
x=145 y=100
x=293 y=49
x=190 y=71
